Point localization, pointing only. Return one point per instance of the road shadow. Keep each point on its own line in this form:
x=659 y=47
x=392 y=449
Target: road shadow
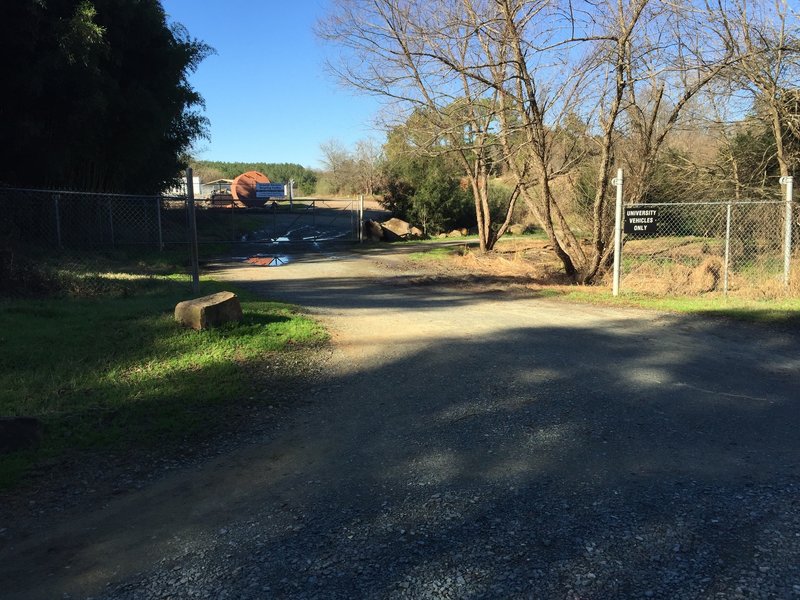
x=549 y=461
x=631 y=457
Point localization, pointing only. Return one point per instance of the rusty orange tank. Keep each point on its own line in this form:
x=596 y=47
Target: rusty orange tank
x=243 y=188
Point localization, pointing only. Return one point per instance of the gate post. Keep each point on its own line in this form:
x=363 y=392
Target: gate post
x=617 y=181
x=361 y=219
x=727 y=246
x=788 y=181
x=192 y=230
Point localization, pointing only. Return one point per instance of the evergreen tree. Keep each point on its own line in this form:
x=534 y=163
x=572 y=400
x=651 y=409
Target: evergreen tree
x=96 y=95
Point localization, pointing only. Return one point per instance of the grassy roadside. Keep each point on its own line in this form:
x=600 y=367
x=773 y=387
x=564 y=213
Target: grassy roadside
x=104 y=366
x=435 y=254
x=449 y=259
x=768 y=311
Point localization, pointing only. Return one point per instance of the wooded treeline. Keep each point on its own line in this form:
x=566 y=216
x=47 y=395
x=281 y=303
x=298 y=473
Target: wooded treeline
x=305 y=179
x=690 y=98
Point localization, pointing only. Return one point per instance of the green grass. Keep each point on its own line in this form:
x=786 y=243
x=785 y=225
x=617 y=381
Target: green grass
x=105 y=366
x=434 y=254
x=782 y=311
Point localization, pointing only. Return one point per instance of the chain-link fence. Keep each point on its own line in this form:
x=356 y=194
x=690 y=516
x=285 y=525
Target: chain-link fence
x=77 y=220
x=742 y=248
x=65 y=219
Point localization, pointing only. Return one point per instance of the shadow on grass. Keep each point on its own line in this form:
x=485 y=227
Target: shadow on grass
x=786 y=318
x=119 y=372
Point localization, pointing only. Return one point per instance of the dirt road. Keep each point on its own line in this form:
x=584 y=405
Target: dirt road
x=468 y=445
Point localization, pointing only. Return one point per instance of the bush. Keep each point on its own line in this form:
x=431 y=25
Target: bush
x=21 y=276
x=427 y=193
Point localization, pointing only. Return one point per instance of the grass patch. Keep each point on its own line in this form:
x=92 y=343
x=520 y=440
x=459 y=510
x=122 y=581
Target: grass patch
x=105 y=366
x=434 y=254
x=782 y=311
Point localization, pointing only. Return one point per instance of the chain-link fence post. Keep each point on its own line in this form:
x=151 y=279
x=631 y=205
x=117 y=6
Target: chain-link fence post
x=192 y=230
x=360 y=223
x=274 y=220
x=617 y=181
x=158 y=221
x=727 y=259
x=111 y=222
x=56 y=198
x=233 y=223
x=787 y=242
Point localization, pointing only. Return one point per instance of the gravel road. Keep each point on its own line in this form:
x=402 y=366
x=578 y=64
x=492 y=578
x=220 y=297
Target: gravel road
x=470 y=445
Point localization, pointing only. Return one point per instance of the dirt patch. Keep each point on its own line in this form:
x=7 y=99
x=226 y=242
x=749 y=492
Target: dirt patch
x=513 y=265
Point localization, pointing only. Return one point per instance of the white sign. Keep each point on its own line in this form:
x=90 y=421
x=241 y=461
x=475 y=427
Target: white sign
x=270 y=190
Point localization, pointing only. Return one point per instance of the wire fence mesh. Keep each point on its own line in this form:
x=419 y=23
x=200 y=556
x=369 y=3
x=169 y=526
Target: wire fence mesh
x=711 y=247
x=690 y=248
x=80 y=220
x=76 y=220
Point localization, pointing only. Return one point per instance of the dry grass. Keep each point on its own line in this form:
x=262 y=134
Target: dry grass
x=675 y=248
x=706 y=276
x=678 y=267
x=794 y=277
x=529 y=260
x=690 y=266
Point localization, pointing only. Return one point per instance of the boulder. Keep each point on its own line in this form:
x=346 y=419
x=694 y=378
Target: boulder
x=396 y=227
x=373 y=231
x=19 y=433
x=209 y=311
x=456 y=233
x=416 y=232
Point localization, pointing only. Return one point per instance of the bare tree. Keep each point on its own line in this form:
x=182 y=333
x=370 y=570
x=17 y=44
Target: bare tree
x=339 y=166
x=514 y=75
x=405 y=51
x=368 y=159
x=672 y=60
x=765 y=41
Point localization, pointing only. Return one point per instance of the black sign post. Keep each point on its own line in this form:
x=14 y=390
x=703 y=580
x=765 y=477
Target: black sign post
x=641 y=219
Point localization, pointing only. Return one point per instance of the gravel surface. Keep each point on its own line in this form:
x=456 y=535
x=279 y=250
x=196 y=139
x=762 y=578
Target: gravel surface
x=681 y=540
x=469 y=445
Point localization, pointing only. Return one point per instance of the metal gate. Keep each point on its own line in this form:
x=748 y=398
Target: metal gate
x=300 y=221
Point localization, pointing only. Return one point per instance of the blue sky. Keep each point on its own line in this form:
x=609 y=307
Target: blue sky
x=267 y=94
